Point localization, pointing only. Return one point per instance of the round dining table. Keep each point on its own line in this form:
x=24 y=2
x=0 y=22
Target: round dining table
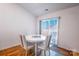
x=35 y=39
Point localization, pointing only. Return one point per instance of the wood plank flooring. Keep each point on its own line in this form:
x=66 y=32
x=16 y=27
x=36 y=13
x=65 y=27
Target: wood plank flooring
x=15 y=51
x=20 y=51
x=68 y=52
x=65 y=51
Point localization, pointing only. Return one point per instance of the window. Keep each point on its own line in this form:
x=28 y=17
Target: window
x=50 y=26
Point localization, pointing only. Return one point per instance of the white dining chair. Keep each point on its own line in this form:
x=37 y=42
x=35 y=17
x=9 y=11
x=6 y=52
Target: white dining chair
x=45 y=46
x=26 y=45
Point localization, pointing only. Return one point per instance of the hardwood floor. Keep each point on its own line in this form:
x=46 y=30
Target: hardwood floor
x=75 y=53
x=15 y=51
x=20 y=51
x=65 y=51
x=68 y=52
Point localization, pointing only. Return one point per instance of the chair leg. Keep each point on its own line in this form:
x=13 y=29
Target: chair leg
x=44 y=53
x=26 y=53
x=49 y=52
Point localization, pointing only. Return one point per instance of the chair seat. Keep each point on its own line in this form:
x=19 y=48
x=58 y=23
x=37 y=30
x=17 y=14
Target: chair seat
x=29 y=47
x=43 y=48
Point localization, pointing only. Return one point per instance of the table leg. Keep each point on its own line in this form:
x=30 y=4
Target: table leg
x=35 y=49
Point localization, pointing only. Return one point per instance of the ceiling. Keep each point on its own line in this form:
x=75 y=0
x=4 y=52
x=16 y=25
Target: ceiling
x=38 y=9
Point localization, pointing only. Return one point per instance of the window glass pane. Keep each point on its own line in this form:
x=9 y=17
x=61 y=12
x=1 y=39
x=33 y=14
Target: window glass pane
x=53 y=22
x=44 y=24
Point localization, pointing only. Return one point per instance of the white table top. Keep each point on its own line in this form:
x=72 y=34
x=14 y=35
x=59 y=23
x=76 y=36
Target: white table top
x=35 y=38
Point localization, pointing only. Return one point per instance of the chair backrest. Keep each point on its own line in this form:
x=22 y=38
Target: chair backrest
x=47 y=42
x=23 y=41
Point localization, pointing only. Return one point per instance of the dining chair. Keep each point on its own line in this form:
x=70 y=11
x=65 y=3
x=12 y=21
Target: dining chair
x=26 y=45
x=45 y=46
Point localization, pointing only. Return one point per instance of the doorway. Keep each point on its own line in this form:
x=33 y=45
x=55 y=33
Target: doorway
x=50 y=26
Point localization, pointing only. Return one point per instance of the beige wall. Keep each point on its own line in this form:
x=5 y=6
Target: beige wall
x=68 y=27
x=14 y=20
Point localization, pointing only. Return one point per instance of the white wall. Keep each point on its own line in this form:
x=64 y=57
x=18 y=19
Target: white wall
x=68 y=27
x=14 y=21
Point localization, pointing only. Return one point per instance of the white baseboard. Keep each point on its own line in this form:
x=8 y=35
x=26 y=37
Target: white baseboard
x=10 y=46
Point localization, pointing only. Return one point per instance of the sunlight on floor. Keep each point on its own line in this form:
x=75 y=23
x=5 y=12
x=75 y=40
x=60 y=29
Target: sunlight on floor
x=54 y=53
